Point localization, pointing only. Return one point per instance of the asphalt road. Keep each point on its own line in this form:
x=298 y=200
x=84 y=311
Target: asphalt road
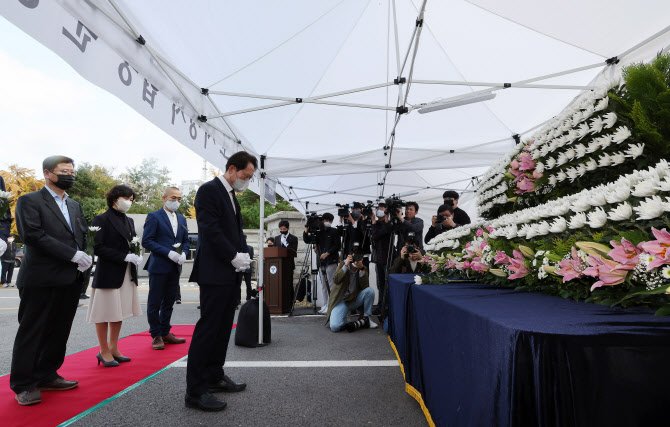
x=275 y=396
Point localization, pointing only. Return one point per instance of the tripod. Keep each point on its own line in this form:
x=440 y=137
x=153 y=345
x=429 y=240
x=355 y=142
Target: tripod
x=383 y=299
x=306 y=272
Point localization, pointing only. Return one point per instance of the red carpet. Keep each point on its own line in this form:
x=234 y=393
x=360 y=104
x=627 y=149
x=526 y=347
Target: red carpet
x=96 y=383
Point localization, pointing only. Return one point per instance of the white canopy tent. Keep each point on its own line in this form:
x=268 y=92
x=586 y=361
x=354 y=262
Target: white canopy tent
x=326 y=91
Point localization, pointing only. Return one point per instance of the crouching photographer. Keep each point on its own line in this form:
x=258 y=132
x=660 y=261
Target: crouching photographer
x=443 y=221
x=410 y=259
x=326 y=240
x=351 y=291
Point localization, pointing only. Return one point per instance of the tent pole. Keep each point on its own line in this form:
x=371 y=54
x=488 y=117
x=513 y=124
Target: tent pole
x=261 y=241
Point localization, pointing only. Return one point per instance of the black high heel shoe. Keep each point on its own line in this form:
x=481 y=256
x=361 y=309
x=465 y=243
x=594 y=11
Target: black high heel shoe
x=121 y=359
x=111 y=364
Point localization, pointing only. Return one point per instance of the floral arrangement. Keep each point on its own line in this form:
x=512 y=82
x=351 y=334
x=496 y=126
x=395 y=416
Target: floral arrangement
x=581 y=209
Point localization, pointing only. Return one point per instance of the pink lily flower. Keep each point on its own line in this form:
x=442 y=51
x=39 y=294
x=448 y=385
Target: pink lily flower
x=514 y=164
x=501 y=258
x=625 y=252
x=608 y=271
x=480 y=232
x=479 y=266
x=571 y=268
x=518 y=266
x=526 y=162
x=490 y=229
x=658 y=248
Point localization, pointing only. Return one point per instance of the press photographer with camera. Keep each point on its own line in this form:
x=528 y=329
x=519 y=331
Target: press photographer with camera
x=410 y=223
x=410 y=259
x=351 y=291
x=355 y=229
x=326 y=240
x=381 y=234
x=443 y=221
x=450 y=198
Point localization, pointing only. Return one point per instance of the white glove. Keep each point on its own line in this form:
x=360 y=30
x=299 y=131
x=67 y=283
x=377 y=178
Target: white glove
x=241 y=262
x=174 y=256
x=3 y=247
x=84 y=261
x=135 y=259
x=182 y=259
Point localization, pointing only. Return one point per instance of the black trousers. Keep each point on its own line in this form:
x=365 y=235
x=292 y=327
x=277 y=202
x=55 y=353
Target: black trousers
x=7 y=272
x=209 y=345
x=86 y=280
x=45 y=320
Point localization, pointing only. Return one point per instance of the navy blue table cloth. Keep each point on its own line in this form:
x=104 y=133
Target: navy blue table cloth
x=490 y=356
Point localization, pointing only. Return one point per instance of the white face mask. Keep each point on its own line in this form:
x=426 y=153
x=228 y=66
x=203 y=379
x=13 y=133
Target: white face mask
x=172 y=206
x=123 y=206
x=10 y=240
x=380 y=213
x=240 y=185
x=327 y=224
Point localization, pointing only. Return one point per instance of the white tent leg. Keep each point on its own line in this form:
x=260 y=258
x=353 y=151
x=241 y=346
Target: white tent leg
x=261 y=241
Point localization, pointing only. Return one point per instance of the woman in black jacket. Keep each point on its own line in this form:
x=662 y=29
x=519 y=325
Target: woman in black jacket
x=114 y=296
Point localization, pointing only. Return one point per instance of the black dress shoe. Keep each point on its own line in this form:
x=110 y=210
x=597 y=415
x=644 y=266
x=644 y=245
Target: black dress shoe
x=226 y=385
x=110 y=364
x=121 y=359
x=83 y=296
x=59 y=384
x=206 y=402
x=29 y=397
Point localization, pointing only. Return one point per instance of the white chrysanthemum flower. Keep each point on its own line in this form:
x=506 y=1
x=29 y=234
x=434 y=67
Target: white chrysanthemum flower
x=562 y=159
x=589 y=109
x=570 y=153
x=645 y=188
x=597 y=125
x=417 y=280
x=663 y=168
x=572 y=135
x=581 y=170
x=610 y=119
x=578 y=221
x=543 y=228
x=550 y=163
x=561 y=176
x=591 y=165
x=580 y=205
x=602 y=104
x=545 y=150
x=511 y=231
x=91 y=228
x=583 y=130
x=597 y=218
x=650 y=208
x=535 y=154
x=604 y=160
x=572 y=174
x=634 y=150
x=620 y=193
x=664 y=185
x=532 y=231
x=553 y=180
x=593 y=146
x=618 y=158
x=598 y=198
x=580 y=150
x=5 y=194
x=621 y=212
x=621 y=134
x=604 y=141
x=559 y=225
x=523 y=230
x=539 y=167
x=577 y=119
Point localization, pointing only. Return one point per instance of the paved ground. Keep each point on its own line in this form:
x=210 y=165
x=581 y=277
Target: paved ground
x=277 y=396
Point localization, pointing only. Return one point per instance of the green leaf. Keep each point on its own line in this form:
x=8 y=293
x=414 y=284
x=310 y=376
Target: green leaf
x=663 y=311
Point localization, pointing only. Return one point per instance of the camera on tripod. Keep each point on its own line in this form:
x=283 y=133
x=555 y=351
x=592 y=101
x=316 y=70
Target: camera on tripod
x=313 y=222
x=394 y=205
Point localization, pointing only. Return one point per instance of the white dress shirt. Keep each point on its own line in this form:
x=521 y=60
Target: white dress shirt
x=283 y=240
x=172 y=216
x=229 y=189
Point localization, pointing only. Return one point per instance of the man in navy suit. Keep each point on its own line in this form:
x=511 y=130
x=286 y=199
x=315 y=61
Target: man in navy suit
x=165 y=233
x=219 y=260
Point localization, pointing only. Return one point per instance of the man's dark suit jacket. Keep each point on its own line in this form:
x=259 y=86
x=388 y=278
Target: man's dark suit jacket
x=220 y=236
x=6 y=219
x=112 y=245
x=292 y=242
x=50 y=245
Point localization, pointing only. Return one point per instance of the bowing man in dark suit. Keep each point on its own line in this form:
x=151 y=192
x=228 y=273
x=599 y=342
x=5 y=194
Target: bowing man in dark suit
x=287 y=240
x=165 y=232
x=53 y=228
x=114 y=296
x=219 y=260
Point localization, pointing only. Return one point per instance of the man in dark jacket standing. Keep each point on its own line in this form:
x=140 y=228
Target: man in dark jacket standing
x=6 y=218
x=165 y=233
x=8 y=259
x=53 y=228
x=220 y=258
x=382 y=233
x=288 y=241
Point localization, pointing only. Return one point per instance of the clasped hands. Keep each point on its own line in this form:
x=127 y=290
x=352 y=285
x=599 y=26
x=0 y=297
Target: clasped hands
x=176 y=258
x=135 y=259
x=83 y=261
x=241 y=262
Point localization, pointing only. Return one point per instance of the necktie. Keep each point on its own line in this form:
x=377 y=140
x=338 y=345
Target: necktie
x=238 y=215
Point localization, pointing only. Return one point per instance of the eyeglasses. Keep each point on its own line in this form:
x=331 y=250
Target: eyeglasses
x=64 y=172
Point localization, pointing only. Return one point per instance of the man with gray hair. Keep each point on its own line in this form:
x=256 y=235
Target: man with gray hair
x=166 y=236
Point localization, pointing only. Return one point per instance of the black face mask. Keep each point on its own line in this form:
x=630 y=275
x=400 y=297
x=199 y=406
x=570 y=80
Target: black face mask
x=284 y=232
x=64 y=181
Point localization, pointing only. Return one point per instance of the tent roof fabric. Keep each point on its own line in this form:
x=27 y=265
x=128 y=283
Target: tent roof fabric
x=336 y=148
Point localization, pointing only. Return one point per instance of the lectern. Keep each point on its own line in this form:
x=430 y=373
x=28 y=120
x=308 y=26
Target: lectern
x=278 y=278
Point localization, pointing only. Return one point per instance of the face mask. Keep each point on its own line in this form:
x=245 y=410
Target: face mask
x=240 y=185
x=172 y=206
x=64 y=181
x=327 y=224
x=123 y=206
x=380 y=213
x=10 y=240
x=355 y=215
x=284 y=232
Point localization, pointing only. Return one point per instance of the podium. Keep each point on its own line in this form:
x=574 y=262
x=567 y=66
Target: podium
x=278 y=278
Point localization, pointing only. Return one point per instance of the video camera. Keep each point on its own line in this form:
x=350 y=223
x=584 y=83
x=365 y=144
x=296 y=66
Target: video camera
x=313 y=222
x=343 y=210
x=394 y=205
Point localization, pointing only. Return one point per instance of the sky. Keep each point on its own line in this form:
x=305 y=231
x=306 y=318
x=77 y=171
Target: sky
x=46 y=108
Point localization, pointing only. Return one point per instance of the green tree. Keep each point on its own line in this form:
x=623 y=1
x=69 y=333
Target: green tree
x=92 y=184
x=149 y=181
x=250 y=204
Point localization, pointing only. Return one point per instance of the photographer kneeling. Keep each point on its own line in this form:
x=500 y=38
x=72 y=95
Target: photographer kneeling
x=351 y=291
x=443 y=221
x=410 y=260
